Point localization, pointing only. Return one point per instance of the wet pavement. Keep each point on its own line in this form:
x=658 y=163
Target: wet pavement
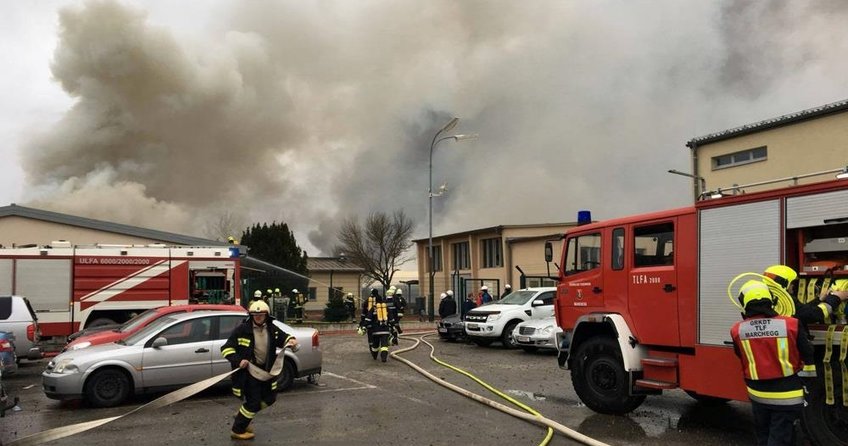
x=358 y=401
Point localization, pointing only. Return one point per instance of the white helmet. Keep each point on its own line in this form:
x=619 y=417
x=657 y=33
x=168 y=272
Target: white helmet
x=259 y=307
x=484 y=288
x=398 y=291
x=295 y=291
x=508 y=286
x=443 y=295
x=257 y=294
x=450 y=293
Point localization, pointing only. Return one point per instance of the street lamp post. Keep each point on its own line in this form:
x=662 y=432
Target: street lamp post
x=432 y=264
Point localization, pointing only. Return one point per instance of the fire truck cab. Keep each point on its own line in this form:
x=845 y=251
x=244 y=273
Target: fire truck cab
x=644 y=304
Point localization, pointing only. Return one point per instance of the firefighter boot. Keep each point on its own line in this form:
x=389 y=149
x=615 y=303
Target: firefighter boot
x=374 y=354
x=243 y=436
x=384 y=355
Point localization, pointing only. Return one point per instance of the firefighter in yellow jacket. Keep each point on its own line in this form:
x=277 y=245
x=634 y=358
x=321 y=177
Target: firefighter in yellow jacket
x=775 y=354
x=252 y=348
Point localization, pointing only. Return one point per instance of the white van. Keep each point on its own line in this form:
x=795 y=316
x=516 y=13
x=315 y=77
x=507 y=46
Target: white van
x=496 y=321
x=17 y=317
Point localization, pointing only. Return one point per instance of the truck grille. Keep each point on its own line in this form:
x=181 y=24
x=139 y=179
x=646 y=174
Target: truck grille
x=526 y=330
x=470 y=317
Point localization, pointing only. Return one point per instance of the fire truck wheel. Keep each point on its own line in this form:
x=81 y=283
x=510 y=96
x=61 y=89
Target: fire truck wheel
x=101 y=321
x=825 y=424
x=286 y=378
x=107 y=388
x=599 y=378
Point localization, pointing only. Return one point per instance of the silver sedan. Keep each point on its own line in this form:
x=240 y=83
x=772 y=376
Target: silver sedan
x=536 y=333
x=172 y=352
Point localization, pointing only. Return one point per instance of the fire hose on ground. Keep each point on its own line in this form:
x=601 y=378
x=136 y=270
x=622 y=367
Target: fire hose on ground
x=532 y=417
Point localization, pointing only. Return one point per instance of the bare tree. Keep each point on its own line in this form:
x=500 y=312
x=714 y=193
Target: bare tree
x=226 y=224
x=379 y=246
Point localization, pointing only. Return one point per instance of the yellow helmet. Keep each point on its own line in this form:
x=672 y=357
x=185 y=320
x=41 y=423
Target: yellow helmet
x=390 y=291
x=840 y=285
x=276 y=290
x=754 y=290
x=259 y=307
x=781 y=274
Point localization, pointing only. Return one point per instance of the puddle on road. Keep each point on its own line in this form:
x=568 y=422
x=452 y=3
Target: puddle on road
x=529 y=395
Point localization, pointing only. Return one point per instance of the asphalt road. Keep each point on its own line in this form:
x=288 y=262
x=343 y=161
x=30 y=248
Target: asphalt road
x=358 y=401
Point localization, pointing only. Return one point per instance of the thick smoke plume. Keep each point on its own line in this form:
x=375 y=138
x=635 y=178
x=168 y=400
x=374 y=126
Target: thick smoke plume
x=312 y=112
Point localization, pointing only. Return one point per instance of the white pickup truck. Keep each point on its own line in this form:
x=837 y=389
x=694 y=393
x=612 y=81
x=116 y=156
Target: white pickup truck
x=496 y=321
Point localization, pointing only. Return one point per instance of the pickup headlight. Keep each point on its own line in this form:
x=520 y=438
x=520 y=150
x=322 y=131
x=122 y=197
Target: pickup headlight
x=65 y=366
x=81 y=345
x=493 y=317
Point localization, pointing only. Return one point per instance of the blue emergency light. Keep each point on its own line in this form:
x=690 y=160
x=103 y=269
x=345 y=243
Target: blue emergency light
x=584 y=217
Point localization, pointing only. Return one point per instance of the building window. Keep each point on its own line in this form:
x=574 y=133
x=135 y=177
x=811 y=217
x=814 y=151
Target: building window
x=461 y=257
x=492 y=253
x=313 y=293
x=740 y=158
x=437 y=257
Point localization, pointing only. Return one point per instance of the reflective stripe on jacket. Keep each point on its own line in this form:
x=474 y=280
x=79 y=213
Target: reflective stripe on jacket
x=768 y=346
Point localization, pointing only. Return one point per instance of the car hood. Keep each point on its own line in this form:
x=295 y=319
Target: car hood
x=494 y=308
x=539 y=323
x=102 y=337
x=96 y=353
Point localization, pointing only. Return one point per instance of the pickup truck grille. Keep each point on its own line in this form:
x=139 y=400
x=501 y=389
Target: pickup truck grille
x=471 y=317
x=526 y=330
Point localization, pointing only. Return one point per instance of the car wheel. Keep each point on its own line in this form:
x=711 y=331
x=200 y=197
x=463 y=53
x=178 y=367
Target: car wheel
x=101 y=321
x=506 y=337
x=599 y=378
x=529 y=349
x=286 y=378
x=824 y=423
x=483 y=342
x=107 y=388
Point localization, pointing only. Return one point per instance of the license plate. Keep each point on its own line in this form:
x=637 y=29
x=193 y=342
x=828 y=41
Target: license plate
x=474 y=326
x=524 y=339
x=443 y=330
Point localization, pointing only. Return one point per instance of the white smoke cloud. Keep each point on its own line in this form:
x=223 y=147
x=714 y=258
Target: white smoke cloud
x=312 y=112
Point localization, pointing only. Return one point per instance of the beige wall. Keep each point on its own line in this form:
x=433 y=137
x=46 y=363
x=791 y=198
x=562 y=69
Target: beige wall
x=321 y=281
x=21 y=231
x=809 y=146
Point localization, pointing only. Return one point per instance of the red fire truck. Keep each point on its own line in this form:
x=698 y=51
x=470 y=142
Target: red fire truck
x=644 y=307
x=74 y=287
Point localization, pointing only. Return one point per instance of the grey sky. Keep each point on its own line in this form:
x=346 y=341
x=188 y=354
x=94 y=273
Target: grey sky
x=168 y=114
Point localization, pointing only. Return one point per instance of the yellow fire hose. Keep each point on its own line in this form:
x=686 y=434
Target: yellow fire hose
x=532 y=417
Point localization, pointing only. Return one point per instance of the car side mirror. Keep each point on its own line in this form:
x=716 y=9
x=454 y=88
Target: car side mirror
x=160 y=342
x=538 y=303
x=549 y=252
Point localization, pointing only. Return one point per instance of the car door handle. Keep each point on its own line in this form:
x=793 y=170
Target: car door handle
x=669 y=288
x=596 y=290
x=202 y=350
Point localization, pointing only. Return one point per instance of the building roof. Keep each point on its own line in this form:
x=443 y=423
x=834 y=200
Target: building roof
x=105 y=226
x=780 y=121
x=317 y=264
x=499 y=229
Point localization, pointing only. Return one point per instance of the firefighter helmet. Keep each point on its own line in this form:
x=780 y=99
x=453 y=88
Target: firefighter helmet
x=259 y=307
x=508 y=286
x=374 y=292
x=450 y=293
x=443 y=295
x=840 y=285
x=257 y=294
x=484 y=288
x=390 y=292
x=269 y=291
x=399 y=291
x=781 y=274
x=294 y=291
x=754 y=290
x=277 y=290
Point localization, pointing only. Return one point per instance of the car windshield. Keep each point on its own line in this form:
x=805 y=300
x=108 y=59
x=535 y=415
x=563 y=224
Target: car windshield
x=138 y=321
x=518 y=297
x=153 y=327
